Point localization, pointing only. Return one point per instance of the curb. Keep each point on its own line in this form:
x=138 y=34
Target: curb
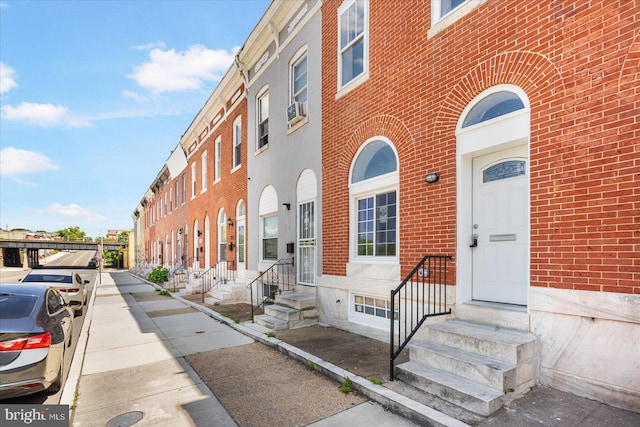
x=397 y=403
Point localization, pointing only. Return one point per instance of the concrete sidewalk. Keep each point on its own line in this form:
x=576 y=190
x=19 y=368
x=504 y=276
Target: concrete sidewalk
x=131 y=364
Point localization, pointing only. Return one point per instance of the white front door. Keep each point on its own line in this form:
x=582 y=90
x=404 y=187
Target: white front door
x=240 y=247
x=500 y=227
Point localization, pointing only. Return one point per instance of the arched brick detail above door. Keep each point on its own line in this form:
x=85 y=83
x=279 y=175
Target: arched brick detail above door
x=532 y=72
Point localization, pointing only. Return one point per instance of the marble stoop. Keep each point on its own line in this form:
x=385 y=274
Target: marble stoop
x=291 y=310
x=472 y=365
x=229 y=293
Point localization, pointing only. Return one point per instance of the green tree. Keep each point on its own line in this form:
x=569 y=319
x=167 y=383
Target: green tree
x=72 y=234
x=123 y=237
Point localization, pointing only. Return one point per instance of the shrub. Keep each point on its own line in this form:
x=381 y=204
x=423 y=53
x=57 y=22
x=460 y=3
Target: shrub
x=158 y=275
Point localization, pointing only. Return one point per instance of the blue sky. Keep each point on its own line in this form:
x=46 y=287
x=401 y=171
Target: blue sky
x=96 y=94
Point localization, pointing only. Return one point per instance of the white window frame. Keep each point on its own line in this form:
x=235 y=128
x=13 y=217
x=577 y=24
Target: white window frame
x=264 y=237
x=218 y=159
x=440 y=21
x=193 y=180
x=364 y=318
x=203 y=172
x=222 y=235
x=295 y=60
x=237 y=143
x=364 y=36
x=370 y=188
x=262 y=95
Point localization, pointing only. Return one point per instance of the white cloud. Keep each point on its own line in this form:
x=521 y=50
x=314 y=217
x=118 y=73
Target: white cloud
x=168 y=70
x=7 y=79
x=73 y=211
x=44 y=115
x=14 y=161
x=149 y=46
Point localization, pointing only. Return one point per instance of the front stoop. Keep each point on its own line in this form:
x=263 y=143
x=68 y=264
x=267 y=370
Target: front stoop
x=229 y=293
x=472 y=365
x=291 y=310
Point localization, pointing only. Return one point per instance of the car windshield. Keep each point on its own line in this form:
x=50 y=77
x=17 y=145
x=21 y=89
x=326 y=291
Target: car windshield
x=16 y=306
x=57 y=278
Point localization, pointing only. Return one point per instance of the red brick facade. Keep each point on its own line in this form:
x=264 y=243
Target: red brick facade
x=165 y=228
x=579 y=65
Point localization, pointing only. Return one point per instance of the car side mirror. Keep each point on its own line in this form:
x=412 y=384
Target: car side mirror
x=86 y=282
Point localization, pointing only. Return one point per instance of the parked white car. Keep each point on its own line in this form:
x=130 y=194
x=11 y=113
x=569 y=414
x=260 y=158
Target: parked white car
x=70 y=284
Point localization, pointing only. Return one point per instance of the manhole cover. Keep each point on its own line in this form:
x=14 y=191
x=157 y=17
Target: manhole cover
x=126 y=419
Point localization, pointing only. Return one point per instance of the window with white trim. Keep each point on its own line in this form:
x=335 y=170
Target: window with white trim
x=218 y=157
x=441 y=8
x=262 y=114
x=374 y=192
x=378 y=307
x=184 y=189
x=237 y=142
x=298 y=74
x=268 y=211
x=193 y=180
x=353 y=18
x=203 y=172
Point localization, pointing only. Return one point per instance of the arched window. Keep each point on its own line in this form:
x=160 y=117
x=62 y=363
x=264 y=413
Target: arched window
x=374 y=198
x=268 y=210
x=494 y=105
x=222 y=235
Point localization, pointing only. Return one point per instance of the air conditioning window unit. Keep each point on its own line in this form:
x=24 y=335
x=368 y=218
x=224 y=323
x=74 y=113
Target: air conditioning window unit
x=295 y=113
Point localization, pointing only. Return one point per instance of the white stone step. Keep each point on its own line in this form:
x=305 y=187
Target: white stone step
x=467 y=394
x=281 y=312
x=298 y=300
x=484 y=370
x=271 y=322
x=498 y=343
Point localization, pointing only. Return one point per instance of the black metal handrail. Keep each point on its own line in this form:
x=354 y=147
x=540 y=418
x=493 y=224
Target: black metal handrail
x=277 y=278
x=221 y=273
x=422 y=294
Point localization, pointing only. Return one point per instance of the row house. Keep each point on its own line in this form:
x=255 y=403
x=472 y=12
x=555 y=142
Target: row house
x=456 y=177
x=488 y=152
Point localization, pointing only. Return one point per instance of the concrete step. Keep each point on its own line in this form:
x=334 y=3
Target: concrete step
x=271 y=322
x=488 y=371
x=465 y=393
x=287 y=314
x=297 y=300
x=498 y=343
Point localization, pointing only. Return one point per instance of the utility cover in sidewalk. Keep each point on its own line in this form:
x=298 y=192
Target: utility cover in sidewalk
x=125 y=420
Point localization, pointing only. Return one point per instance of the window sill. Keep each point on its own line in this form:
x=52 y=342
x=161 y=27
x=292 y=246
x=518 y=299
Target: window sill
x=353 y=84
x=446 y=21
x=261 y=149
x=298 y=125
x=236 y=168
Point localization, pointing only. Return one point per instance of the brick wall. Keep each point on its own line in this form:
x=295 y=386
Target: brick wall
x=579 y=64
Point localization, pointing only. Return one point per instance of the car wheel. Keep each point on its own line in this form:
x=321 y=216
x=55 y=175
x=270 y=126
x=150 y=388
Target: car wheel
x=56 y=386
x=78 y=311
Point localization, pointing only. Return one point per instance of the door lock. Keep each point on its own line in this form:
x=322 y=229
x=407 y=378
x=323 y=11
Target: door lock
x=474 y=240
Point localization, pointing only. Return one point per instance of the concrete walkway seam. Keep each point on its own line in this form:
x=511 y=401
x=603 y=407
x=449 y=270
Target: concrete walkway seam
x=398 y=403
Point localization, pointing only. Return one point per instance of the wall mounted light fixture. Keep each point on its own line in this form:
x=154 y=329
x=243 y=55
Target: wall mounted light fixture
x=230 y=222
x=432 y=177
x=286 y=206
x=199 y=233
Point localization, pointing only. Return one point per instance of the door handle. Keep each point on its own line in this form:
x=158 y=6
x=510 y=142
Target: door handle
x=474 y=240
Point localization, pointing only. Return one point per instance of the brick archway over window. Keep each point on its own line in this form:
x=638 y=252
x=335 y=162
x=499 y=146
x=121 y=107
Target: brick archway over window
x=382 y=125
